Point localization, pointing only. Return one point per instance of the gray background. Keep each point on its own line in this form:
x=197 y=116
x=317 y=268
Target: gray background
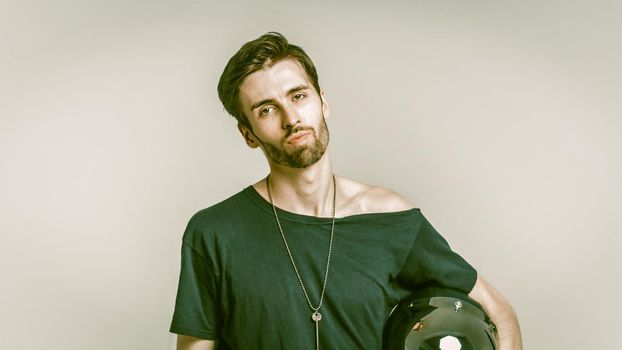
x=500 y=119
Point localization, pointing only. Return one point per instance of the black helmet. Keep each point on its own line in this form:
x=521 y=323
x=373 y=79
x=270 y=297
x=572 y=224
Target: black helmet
x=439 y=319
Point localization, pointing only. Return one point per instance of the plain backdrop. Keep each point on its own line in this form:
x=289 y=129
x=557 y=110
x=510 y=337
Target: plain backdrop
x=501 y=120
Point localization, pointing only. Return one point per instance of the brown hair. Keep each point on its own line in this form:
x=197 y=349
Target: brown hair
x=255 y=55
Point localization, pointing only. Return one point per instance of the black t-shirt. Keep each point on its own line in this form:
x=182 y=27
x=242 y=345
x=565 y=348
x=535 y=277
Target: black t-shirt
x=238 y=285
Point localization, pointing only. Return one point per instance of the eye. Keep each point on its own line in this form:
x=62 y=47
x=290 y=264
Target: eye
x=265 y=110
x=298 y=96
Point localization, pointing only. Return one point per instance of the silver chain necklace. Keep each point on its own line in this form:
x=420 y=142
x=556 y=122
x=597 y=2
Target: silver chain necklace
x=316 y=316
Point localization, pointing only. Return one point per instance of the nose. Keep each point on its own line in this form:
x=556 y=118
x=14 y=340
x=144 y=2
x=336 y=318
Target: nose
x=290 y=117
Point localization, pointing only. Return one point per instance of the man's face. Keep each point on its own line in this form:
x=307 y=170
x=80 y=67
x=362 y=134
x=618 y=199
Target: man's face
x=286 y=113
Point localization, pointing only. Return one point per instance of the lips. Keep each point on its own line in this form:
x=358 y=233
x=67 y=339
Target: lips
x=299 y=136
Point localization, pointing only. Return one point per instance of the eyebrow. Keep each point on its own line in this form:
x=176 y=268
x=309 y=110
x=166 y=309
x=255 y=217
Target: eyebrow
x=289 y=92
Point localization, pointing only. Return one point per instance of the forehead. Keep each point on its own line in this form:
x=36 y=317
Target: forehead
x=272 y=81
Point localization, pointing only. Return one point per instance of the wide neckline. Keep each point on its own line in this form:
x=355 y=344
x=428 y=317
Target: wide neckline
x=266 y=206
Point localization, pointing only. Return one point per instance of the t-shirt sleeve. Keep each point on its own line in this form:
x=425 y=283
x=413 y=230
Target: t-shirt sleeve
x=431 y=262
x=196 y=308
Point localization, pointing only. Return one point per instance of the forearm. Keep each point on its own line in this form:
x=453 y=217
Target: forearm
x=508 y=330
x=501 y=313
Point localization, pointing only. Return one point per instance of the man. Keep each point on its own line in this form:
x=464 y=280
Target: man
x=305 y=259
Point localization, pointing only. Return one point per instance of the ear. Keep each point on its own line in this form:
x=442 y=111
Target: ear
x=248 y=136
x=325 y=106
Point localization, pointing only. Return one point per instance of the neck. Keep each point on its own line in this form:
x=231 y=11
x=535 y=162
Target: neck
x=307 y=191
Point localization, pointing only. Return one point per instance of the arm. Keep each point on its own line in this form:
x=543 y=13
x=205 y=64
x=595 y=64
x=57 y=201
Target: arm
x=500 y=312
x=185 y=342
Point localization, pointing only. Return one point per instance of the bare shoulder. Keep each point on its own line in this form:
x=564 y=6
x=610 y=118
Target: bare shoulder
x=360 y=198
x=380 y=199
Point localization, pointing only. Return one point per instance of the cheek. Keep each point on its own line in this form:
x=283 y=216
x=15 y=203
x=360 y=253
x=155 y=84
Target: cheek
x=311 y=109
x=269 y=131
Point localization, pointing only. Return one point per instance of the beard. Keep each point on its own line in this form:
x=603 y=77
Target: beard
x=304 y=155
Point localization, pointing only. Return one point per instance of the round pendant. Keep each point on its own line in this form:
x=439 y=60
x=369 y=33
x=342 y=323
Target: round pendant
x=316 y=316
